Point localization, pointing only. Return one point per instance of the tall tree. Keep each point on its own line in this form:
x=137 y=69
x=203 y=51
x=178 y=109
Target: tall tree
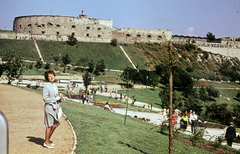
x=91 y=66
x=66 y=60
x=13 y=65
x=57 y=59
x=38 y=65
x=210 y=37
x=100 y=66
x=86 y=81
x=83 y=62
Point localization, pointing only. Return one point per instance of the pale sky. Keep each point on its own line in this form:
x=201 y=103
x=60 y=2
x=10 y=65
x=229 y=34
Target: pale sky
x=183 y=17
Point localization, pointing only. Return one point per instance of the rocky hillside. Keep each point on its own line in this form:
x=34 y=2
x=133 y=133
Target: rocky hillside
x=199 y=63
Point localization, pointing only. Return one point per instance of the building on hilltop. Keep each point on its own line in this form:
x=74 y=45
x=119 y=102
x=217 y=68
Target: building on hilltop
x=58 y=28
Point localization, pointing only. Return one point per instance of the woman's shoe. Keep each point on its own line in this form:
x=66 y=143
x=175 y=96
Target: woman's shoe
x=49 y=147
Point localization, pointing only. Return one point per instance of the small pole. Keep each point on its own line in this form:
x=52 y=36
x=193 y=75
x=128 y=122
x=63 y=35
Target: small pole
x=127 y=99
x=170 y=100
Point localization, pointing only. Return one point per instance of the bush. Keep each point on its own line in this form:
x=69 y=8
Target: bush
x=71 y=40
x=114 y=42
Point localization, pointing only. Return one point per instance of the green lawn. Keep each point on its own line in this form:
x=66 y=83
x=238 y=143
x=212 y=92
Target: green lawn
x=25 y=47
x=136 y=56
x=145 y=95
x=101 y=131
x=113 y=56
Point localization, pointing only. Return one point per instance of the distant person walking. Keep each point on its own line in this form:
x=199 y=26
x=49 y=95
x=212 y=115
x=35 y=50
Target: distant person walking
x=50 y=97
x=174 y=118
x=184 y=122
x=230 y=134
x=193 y=121
x=83 y=97
x=164 y=113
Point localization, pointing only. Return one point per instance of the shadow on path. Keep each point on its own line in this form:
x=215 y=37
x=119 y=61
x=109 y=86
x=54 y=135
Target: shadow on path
x=38 y=140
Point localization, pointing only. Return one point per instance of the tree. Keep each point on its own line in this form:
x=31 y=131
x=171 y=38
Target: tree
x=13 y=65
x=114 y=42
x=131 y=75
x=100 y=66
x=86 y=80
x=47 y=66
x=192 y=102
x=212 y=92
x=56 y=59
x=176 y=100
x=38 y=65
x=66 y=60
x=203 y=94
x=238 y=95
x=83 y=62
x=91 y=66
x=71 y=40
x=1 y=70
x=210 y=37
x=218 y=112
x=30 y=66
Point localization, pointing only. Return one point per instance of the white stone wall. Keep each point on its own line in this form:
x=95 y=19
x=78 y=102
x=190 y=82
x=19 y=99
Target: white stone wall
x=59 y=27
x=131 y=35
x=231 y=52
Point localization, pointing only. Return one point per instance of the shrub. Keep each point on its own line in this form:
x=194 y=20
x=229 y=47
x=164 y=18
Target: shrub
x=114 y=42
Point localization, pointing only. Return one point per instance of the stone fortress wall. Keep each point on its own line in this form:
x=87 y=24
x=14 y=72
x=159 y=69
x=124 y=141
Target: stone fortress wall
x=58 y=28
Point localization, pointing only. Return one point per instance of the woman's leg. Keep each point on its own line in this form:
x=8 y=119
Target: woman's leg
x=47 y=136
x=52 y=130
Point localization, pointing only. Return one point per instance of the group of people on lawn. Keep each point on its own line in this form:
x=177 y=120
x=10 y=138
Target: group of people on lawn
x=192 y=118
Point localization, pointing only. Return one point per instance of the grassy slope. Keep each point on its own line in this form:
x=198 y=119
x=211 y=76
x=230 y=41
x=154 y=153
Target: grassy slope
x=136 y=56
x=113 y=56
x=25 y=47
x=101 y=131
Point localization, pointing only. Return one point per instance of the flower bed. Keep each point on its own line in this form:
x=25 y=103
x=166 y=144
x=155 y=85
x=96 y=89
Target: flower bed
x=111 y=104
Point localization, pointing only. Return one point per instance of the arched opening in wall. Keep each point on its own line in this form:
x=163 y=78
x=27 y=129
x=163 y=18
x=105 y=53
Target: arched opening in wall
x=49 y=24
x=99 y=28
x=88 y=27
x=73 y=34
x=39 y=26
x=159 y=37
x=149 y=36
x=43 y=25
x=29 y=25
x=57 y=33
x=87 y=35
x=20 y=26
x=29 y=32
x=138 y=35
x=58 y=25
x=128 y=35
x=99 y=36
x=73 y=26
x=43 y=32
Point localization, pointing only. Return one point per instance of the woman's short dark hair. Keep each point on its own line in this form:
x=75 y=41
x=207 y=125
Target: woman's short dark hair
x=48 y=72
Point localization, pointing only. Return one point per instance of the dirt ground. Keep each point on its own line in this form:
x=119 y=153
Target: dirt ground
x=25 y=114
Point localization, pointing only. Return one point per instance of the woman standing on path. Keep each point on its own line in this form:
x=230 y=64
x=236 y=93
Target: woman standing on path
x=50 y=97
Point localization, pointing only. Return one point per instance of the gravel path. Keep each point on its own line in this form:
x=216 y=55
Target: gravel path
x=25 y=114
